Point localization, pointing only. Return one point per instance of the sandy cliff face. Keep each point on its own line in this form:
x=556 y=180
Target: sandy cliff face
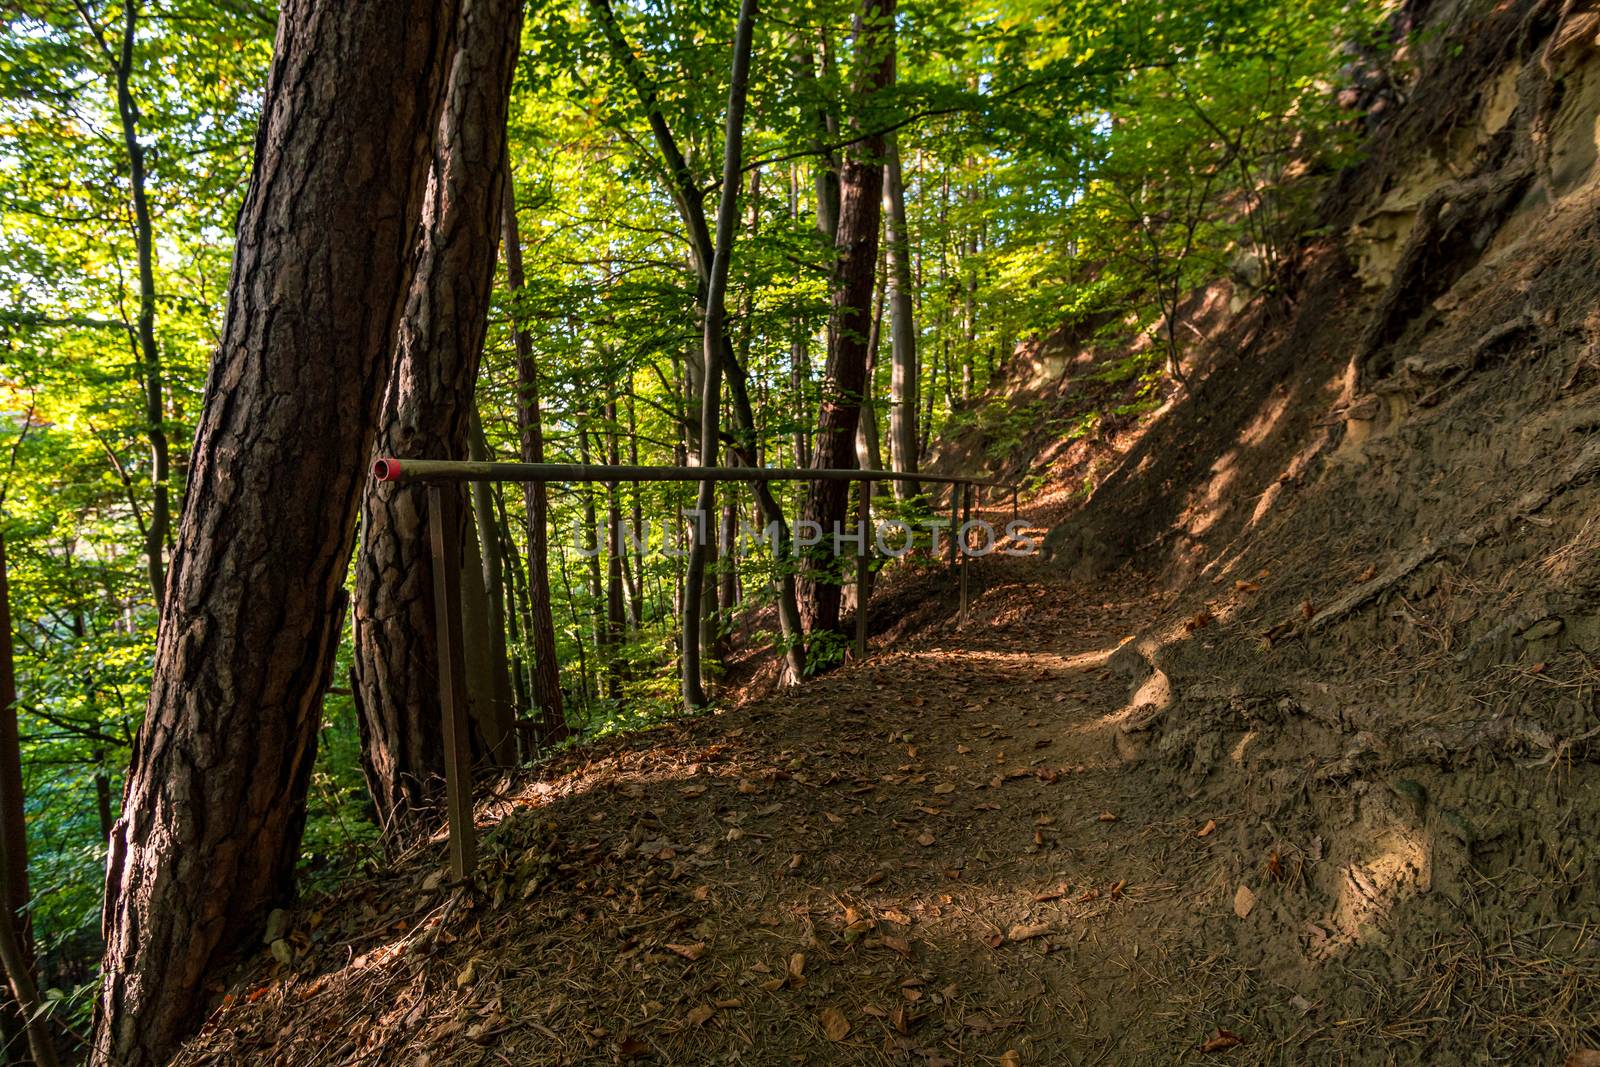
x=1380 y=514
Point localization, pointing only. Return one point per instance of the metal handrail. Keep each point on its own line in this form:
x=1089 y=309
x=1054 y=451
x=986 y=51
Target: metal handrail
x=444 y=524
x=390 y=469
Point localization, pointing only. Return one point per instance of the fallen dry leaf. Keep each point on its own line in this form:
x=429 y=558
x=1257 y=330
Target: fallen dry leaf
x=1222 y=1039
x=897 y=944
x=834 y=1024
x=1583 y=1057
x=700 y=1013
x=688 y=952
x=1208 y=829
x=1106 y=816
x=1011 y=1058
x=1244 y=901
x=1026 y=932
x=925 y=839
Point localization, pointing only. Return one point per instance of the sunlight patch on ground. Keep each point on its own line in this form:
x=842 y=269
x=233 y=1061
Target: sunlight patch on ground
x=1368 y=892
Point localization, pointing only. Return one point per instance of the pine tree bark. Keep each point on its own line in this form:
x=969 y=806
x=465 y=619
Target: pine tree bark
x=536 y=499
x=427 y=410
x=861 y=184
x=215 y=797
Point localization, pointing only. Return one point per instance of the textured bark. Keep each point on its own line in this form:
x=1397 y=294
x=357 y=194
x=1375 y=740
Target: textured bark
x=903 y=371
x=427 y=410
x=215 y=795
x=861 y=183
x=530 y=439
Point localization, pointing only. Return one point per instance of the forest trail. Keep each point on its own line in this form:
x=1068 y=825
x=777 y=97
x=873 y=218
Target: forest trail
x=931 y=857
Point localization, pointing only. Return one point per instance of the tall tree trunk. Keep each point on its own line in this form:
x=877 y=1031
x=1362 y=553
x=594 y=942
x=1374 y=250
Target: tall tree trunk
x=16 y=940
x=715 y=348
x=799 y=356
x=515 y=601
x=869 y=451
x=591 y=533
x=862 y=183
x=504 y=708
x=615 y=616
x=687 y=196
x=903 y=371
x=215 y=797
x=824 y=131
x=147 y=352
x=427 y=410
x=728 y=577
x=494 y=735
x=536 y=500
x=636 y=516
x=969 y=314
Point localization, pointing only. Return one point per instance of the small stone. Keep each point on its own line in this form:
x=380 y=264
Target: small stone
x=1244 y=901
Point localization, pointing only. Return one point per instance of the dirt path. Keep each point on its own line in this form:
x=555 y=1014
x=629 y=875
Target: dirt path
x=935 y=857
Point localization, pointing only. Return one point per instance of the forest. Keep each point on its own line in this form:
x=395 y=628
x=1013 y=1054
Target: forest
x=1212 y=386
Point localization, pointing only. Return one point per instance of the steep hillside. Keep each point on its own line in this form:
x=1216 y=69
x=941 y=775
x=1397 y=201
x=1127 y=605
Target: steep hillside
x=1283 y=752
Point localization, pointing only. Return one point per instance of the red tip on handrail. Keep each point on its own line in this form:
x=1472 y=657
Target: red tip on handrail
x=386 y=470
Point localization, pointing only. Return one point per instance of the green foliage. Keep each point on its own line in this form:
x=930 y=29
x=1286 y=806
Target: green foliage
x=1066 y=164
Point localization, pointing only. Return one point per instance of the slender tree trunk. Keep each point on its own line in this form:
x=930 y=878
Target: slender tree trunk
x=636 y=516
x=687 y=196
x=969 y=315
x=799 y=356
x=151 y=375
x=824 y=131
x=591 y=533
x=427 y=410
x=16 y=938
x=503 y=710
x=536 y=500
x=215 y=797
x=715 y=347
x=862 y=183
x=903 y=376
x=494 y=739
x=869 y=451
x=516 y=599
x=615 y=629
x=728 y=577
